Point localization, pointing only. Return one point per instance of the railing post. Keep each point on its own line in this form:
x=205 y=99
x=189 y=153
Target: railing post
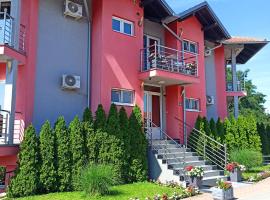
x=5 y=24
x=155 y=56
x=225 y=151
x=204 y=147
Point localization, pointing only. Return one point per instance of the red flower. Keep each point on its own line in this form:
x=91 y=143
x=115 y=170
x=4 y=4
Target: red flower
x=189 y=168
x=230 y=167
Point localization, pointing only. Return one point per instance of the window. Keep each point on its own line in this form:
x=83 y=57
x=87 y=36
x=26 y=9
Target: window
x=190 y=46
x=122 y=26
x=5 y=6
x=192 y=104
x=122 y=97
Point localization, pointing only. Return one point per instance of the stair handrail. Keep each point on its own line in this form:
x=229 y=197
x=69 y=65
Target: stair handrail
x=219 y=156
x=166 y=137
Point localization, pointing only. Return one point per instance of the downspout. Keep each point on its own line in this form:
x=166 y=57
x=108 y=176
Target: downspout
x=88 y=62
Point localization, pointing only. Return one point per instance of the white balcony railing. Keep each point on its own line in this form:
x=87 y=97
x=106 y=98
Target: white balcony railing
x=4 y=127
x=240 y=86
x=168 y=59
x=7 y=33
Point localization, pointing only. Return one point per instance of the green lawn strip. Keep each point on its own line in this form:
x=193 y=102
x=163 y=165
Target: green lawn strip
x=247 y=174
x=122 y=192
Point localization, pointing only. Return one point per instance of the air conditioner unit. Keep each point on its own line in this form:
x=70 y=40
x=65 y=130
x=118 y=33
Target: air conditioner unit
x=210 y=100
x=71 y=82
x=207 y=52
x=73 y=9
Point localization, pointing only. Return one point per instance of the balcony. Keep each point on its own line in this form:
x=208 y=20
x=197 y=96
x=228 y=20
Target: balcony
x=240 y=89
x=167 y=66
x=8 y=50
x=4 y=127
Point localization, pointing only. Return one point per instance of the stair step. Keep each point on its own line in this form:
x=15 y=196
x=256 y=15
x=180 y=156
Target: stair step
x=211 y=173
x=192 y=163
x=187 y=159
x=173 y=150
x=211 y=181
x=155 y=142
x=175 y=155
x=205 y=167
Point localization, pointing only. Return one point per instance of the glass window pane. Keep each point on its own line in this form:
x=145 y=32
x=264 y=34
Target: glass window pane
x=127 y=97
x=187 y=104
x=116 y=24
x=127 y=28
x=116 y=96
x=186 y=46
x=193 y=48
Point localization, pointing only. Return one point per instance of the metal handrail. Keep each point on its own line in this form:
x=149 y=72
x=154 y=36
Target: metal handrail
x=215 y=152
x=166 y=137
x=169 y=59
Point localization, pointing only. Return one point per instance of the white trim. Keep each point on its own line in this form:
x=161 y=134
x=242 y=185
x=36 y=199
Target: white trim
x=190 y=109
x=121 y=90
x=122 y=22
x=190 y=42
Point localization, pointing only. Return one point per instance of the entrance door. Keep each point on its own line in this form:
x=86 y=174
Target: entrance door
x=152 y=112
x=149 y=49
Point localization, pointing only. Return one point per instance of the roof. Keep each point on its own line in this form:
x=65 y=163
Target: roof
x=212 y=26
x=156 y=10
x=251 y=47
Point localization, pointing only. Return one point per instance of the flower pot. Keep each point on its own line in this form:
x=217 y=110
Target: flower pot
x=219 y=194
x=236 y=175
x=195 y=181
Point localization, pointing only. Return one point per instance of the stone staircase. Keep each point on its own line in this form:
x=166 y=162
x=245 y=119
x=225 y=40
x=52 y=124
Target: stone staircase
x=170 y=157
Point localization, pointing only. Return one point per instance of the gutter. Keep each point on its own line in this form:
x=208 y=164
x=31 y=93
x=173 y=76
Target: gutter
x=88 y=62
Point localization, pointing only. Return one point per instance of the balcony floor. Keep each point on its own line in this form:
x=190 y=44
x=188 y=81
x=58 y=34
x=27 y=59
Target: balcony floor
x=236 y=93
x=158 y=76
x=7 y=53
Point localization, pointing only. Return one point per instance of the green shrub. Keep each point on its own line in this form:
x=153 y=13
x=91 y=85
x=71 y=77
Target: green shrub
x=78 y=150
x=220 y=129
x=247 y=157
x=48 y=173
x=63 y=155
x=2 y=174
x=26 y=179
x=112 y=126
x=97 y=179
x=100 y=119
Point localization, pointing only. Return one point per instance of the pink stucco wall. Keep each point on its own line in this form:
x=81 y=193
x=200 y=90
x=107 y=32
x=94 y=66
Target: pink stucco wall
x=115 y=56
x=221 y=82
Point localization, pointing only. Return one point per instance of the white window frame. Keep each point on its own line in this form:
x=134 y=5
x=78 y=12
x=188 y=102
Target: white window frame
x=122 y=22
x=190 y=109
x=122 y=96
x=190 y=42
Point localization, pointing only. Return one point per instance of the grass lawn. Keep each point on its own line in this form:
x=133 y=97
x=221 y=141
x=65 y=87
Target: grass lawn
x=122 y=192
x=254 y=171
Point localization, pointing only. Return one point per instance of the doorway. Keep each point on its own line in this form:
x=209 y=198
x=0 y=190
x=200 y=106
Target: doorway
x=153 y=113
x=149 y=49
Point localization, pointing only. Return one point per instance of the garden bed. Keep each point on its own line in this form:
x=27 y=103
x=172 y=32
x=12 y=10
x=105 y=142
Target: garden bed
x=254 y=173
x=122 y=192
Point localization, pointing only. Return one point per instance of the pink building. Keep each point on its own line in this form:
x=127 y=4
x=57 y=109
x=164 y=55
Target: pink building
x=127 y=52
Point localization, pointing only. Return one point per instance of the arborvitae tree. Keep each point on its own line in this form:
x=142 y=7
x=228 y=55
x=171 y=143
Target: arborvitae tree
x=112 y=126
x=125 y=137
x=26 y=179
x=207 y=129
x=268 y=138
x=100 y=119
x=263 y=135
x=220 y=130
x=241 y=137
x=254 y=140
x=63 y=155
x=193 y=137
x=229 y=134
x=78 y=151
x=48 y=172
x=213 y=128
x=138 y=160
x=88 y=132
x=88 y=116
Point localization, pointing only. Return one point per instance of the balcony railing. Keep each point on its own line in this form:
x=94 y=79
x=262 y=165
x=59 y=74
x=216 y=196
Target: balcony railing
x=240 y=86
x=4 y=127
x=7 y=33
x=168 y=59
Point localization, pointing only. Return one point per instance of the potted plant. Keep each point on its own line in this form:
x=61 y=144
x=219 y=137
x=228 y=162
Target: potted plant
x=235 y=170
x=195 y=175
x=223 y=190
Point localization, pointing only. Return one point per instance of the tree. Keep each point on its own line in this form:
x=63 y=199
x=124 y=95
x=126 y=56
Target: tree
x=26 y=179
x=112 y=126
x=220 y=130
x=48 y=172
x=78 y=151
x=207 y=129
x=264 y=138
x=63 y=155
x=213 y=128
x=100 y=119
x=88 y=133
x=88 y=116
x=138 y=155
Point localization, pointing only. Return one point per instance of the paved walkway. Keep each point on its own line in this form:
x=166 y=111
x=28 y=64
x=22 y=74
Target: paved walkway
x=257 y=191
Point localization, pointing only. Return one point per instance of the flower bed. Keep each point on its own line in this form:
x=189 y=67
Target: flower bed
x=260 y=176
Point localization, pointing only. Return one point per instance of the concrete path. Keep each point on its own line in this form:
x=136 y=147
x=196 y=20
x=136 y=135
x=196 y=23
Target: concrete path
x=257 y=191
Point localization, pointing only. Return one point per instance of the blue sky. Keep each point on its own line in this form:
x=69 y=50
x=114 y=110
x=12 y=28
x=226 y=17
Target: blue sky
x=243 y=18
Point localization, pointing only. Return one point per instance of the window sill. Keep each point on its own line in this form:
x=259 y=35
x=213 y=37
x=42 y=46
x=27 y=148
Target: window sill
x=133 y=36
x=191 y=110
x=123 y=104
